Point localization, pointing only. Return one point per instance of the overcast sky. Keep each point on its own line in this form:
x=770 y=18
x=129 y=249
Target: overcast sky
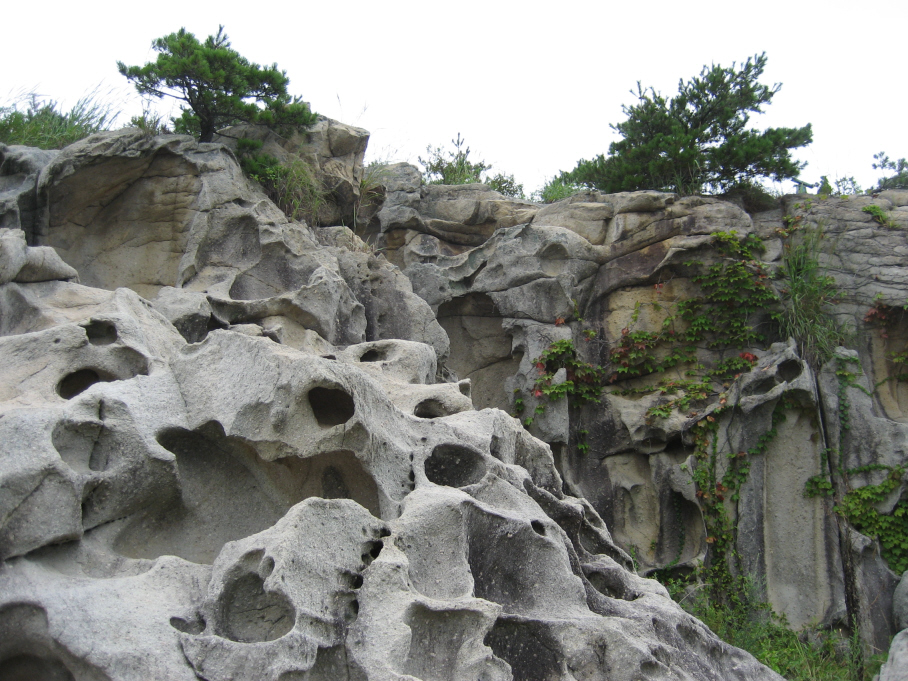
x=532 y=87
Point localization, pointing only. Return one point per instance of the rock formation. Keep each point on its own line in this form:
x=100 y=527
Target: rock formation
x=596 y=270
x=235 y=446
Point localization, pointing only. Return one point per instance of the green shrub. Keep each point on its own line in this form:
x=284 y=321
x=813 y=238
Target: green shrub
x=753 y=196
x=700 y=140
x=150 y=123
x=505 y=184
x=35 y=122
x=556 y=189
x=455 y=167
x=292 y=186
x=811 y=654
x=806 y=296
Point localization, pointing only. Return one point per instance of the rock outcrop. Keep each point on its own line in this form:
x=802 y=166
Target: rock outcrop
x=611 y=274
x=225 y=454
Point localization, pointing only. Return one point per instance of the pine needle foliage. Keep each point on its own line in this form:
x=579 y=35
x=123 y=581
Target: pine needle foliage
x=698 y=141
x=217 y=85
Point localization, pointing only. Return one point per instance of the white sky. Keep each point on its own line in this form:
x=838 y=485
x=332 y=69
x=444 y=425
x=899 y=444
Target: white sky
x=531 y=86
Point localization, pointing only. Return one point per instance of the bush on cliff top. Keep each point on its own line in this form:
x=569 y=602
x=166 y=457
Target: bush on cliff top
x=699 y=140
x=218 y=86
x=33 y=121
x=455 y=167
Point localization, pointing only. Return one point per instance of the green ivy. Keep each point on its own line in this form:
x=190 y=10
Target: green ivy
x=858 y=507
x=584 y=380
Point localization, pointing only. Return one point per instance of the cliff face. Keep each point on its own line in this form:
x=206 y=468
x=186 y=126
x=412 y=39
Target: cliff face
x=235 y=446
x=712 y=422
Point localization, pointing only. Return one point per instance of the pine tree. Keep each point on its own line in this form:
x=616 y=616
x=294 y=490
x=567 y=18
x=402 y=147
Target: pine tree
x=699 y=140
x=217 y=84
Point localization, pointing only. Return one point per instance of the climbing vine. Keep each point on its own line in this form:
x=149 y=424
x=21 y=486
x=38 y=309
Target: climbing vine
x=714 y=488
x=859 y=507
x=582 y=384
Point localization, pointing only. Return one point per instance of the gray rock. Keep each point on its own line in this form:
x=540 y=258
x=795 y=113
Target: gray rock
x=900 y=604
x=188 y=311
x=332 y=149
x=21 y=263
x=245 y=510
x=19 y=170
x=897 y=663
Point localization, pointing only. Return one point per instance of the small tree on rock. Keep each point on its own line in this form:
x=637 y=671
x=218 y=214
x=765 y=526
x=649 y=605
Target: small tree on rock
x=699 y=140
x=217 y=84
x=455 y=167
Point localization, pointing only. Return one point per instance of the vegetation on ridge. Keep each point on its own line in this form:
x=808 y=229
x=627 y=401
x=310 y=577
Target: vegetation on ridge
x=455 y=167
x=33 y=121
x=218 y=86
x=699 y=140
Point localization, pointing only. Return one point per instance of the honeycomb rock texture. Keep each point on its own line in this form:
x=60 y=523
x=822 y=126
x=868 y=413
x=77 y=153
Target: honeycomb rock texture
x=226 y=455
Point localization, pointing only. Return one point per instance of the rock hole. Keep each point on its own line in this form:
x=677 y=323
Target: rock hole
x=430 y=409
x=79 y=381
x=215 y=470
x=252 y=615
x=454 y=466
x=354 y=609
x=650 y=668
x=373 y=356
x=334 y=357
x=468 y=281
x=610 y=582
x=789 y=370
x=465 y=386
x=554 y=251
x=373 y=551
x=101 y=333
x=27 y=650
x=333 y=485
x=194 y=627
x=761 y=386
x=356 y=581
x=525 y=645
x=267 y=567
x=34 y=668
x=538 y=527
x=331 y=406
x=384 y=532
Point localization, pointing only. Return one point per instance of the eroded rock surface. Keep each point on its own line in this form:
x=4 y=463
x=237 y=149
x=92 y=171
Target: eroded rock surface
x=251 y=473
x=606 y=272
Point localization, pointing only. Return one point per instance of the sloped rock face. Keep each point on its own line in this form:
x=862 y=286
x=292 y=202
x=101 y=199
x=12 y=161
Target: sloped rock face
x=607 y=272
x=255 y=476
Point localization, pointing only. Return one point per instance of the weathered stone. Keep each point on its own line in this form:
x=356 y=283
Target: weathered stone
x=897 y=662
x=900 y=604
x=19 y=170
x=333 y=150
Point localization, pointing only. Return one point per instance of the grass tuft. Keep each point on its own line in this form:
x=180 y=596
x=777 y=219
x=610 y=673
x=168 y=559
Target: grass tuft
x=806 y=294
x=33 y=121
